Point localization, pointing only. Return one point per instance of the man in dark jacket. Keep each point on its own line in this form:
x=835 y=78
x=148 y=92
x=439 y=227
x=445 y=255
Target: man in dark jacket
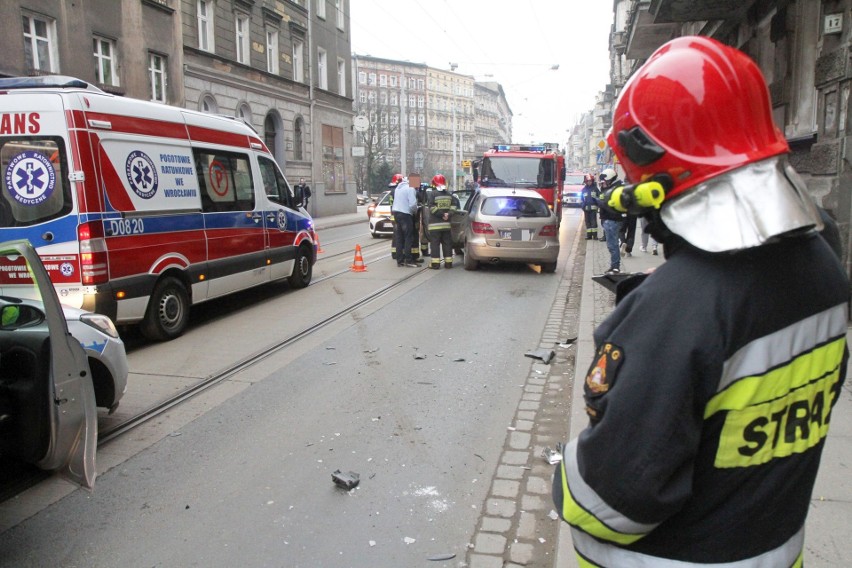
x=611 y=220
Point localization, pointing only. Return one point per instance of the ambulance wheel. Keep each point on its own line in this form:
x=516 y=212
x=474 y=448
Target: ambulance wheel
x=168 y=311
x=302 y=270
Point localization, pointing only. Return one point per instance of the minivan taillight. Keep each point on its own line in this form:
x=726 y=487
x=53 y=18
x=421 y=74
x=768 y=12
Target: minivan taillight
x=547 y=231
x=93 y=255
x=482 y=228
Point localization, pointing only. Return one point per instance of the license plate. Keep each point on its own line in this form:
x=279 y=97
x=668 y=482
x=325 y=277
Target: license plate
x=516 y=234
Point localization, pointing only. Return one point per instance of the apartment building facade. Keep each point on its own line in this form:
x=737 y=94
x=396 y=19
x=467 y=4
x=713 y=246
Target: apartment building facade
x=283 y=66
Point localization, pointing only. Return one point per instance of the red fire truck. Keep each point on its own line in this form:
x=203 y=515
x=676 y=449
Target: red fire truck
x=537 y=167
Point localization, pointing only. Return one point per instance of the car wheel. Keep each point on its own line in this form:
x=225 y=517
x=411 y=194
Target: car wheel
x=374 y=234
x=548 y=267
x=168 y=311
x=302 y=270
x=469 y=262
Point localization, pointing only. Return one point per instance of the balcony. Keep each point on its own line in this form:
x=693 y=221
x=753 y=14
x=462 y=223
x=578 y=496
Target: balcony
x=666 y=11
x=645 y=35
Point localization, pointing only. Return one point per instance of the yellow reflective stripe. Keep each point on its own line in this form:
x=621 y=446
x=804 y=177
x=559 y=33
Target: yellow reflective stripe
x=778 y=428
x=577 y=516
x=776 y=383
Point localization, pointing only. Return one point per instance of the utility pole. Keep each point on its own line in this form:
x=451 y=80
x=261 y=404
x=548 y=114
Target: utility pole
x=453 y=67
x=403 y=124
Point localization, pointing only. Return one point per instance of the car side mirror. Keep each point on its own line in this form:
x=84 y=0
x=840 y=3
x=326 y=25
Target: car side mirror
x=14 y=316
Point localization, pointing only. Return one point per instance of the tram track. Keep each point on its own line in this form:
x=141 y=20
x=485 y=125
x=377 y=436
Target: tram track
x=246 y=362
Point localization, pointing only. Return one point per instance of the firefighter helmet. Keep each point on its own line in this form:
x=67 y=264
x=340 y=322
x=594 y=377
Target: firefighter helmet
x=588 y=177
x=395 y=180
x=438 y=180
x=608 y=177
x=696 y=109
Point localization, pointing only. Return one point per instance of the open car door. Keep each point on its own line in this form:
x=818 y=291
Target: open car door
x=47 y=402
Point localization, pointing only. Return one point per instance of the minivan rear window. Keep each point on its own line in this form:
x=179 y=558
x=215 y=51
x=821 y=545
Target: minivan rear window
x=34 y=178
x=515 y=206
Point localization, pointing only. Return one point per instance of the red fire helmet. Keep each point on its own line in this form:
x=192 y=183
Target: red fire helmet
x=696 y=109
x=396 y=179
x=439 y=180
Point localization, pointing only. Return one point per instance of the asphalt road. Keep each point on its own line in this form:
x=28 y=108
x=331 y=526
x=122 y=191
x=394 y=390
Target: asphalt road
x=247 y=480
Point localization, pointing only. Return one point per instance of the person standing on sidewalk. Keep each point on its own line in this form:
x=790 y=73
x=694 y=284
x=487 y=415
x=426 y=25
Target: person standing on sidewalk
x=711 y=391
x=588 y=201
x=404 y=208
x=611 y=220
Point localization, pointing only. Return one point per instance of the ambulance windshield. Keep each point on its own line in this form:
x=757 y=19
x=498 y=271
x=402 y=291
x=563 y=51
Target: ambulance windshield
x=35 y=181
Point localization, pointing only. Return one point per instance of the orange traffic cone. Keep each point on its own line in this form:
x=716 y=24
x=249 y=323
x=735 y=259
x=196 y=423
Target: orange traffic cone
x=358 y=265
x=319 y=245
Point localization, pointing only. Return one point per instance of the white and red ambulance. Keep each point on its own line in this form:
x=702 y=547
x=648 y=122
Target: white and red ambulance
x=140 y=210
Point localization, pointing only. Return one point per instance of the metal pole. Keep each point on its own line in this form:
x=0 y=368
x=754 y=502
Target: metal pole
x=403 y=125
x=454 y=140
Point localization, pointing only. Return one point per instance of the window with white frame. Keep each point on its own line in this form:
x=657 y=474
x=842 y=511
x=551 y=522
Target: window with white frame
x=394 y=119
x=421 y=120
x=412 y=83
x=272 y=50
x=341 y=77
x=394 y=99
x=383 y=98
x=362 y=77
x=40 y=43
x=371 y=97
x=106 y=68
x=372 y=79
x=321 y=9
x=412 y=101
x=393 y=80
x=241 y=25
x=362 y=96
x=157 y=76
x=298 y=61
x=322 y=69
x=204 y=12
x=421 y=84
x=412 y=119
x=338 y=6
x=421 y=101
x=383 y=80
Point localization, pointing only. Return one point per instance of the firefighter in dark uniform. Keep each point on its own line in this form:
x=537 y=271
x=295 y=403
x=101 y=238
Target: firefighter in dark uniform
x=588 y=200
x=441 y=205
x=422 y=222
x=396 y=238
x=710 y=394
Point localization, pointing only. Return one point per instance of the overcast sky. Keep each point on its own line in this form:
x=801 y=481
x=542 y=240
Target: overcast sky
x=512 y=42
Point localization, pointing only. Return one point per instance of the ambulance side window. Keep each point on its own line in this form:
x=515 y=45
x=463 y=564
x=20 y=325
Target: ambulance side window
x=34 y=178
x=276 y=187
x=225 y=180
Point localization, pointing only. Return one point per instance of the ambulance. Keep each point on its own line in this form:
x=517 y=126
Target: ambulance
x=140 y=210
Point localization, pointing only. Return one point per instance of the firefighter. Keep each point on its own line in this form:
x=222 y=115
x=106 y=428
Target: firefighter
x=395 y=181
x=588 y=199
x=440 y=205
x=709 y=396
x=421 y=224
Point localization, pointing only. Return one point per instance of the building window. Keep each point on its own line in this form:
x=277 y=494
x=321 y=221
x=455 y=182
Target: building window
x=157 y=77
x=298 y=61
x=338 y=6
x=421 y=101
x=208 y=104
x=383 y=80
x=341 y=77
x=244 y=112
x=394 y=99
x=421 y=120
x=362 y=96
x=322 y=69
x=393 y=81
x=321 y=9
x=298 y=127
x=270 y=134
x=205 y=25
x=383 y=98
x=332 y=159
x=241 y=24
x=272 y=50
x=105 y=61
x=362 y=77
x=372 y=80
x=40 y=44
